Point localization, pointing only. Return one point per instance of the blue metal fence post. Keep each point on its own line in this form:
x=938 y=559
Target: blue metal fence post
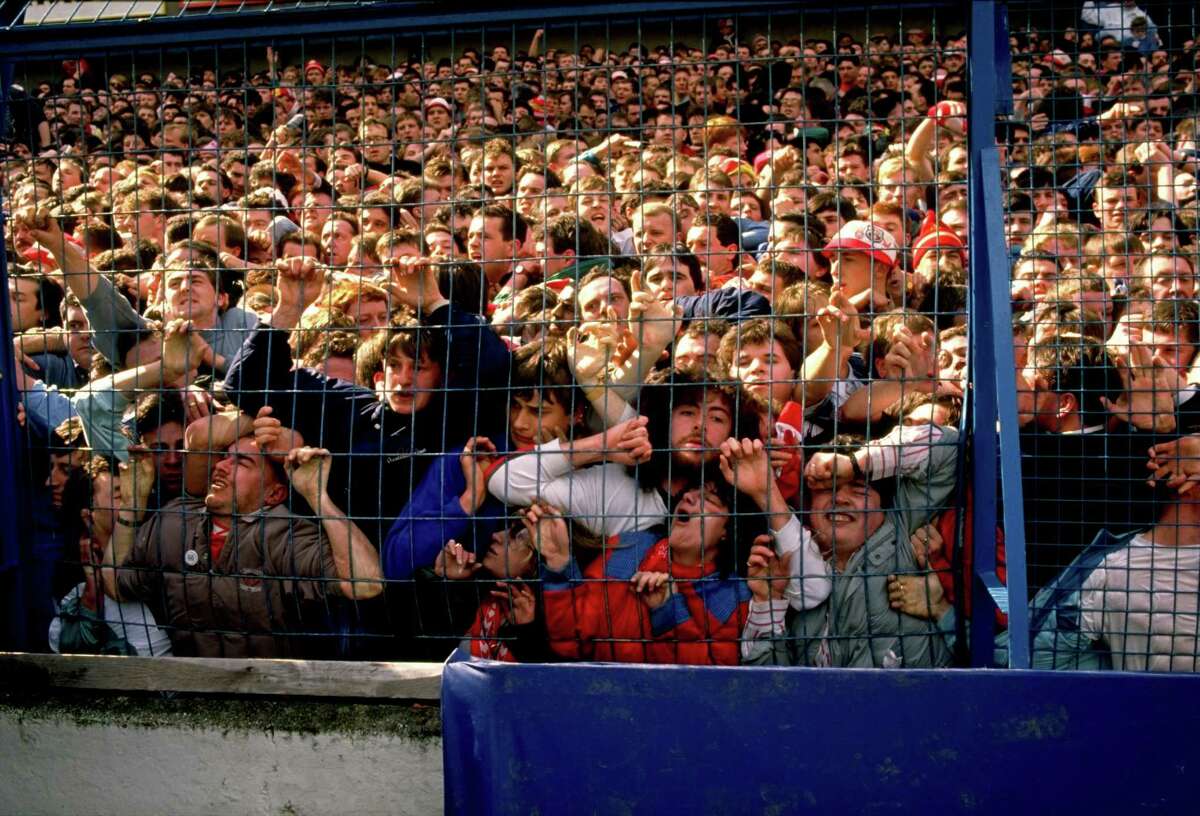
x=13 y=513
x=994 y=406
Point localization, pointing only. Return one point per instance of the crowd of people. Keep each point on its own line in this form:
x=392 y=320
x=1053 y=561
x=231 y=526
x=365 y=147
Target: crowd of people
x=582 y=352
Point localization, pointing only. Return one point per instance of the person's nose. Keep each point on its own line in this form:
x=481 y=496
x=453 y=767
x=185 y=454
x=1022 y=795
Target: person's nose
x=406 y=374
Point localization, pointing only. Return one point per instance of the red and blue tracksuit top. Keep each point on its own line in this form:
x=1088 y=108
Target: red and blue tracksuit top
x=596 y=615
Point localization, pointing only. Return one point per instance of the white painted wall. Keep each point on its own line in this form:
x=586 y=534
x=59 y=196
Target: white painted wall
x=55 y=766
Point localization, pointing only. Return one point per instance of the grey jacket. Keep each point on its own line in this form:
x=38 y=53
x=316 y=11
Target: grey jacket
x=856 y=626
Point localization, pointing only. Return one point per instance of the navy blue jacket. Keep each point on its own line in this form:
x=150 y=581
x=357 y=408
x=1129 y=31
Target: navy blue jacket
x=725 y=303
x=378 y=454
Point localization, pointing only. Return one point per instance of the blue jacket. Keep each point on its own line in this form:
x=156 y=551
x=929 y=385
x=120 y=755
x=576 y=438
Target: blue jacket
x=433 y=516
x=724 y=303
x=753 y=233
x=59 y=370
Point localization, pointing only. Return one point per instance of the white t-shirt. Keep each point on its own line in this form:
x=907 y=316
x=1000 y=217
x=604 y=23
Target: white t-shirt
x=1142 y=601
x=131 y=620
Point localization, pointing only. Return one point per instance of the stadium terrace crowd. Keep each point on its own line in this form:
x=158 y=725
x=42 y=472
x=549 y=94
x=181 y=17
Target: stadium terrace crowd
x=654 y=354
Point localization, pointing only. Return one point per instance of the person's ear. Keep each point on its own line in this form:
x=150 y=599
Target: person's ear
x=1068 y=404
x=276 y=495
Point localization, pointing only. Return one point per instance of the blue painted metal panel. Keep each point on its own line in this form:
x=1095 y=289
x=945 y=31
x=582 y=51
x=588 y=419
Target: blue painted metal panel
x=993 y=407
x=14 y=515
x=595 y=739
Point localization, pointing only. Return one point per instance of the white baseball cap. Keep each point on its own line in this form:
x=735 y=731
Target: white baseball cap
x=863 y=236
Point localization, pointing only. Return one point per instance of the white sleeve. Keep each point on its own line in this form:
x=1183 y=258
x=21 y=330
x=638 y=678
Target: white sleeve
x=522 y=478
x=810 y=582
x=605 y=499
x=764 y=621
x=903 y=452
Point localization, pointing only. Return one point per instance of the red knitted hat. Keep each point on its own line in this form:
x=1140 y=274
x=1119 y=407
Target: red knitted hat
x=935 y=235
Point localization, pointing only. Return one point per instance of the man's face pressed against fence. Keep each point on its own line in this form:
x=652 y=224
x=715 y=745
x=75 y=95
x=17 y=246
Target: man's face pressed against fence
x=843 y=519
x=698 y=429
x=243 y=482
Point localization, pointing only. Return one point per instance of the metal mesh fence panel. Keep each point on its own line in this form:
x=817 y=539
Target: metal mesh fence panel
x=1100 y=225
x=638 y=338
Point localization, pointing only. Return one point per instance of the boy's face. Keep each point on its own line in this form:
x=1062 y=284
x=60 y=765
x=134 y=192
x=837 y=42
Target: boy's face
x=691 y=351
x=844 y=519
x=669 y=279
x=764 y=370
x=409 y=384
x=952 y=359
x=599 y=295
x=509 y=554
x=535 y=418
x=854 y=270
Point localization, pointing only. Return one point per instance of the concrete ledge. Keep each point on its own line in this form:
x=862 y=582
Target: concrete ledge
x=306 y=678
x=152 y=754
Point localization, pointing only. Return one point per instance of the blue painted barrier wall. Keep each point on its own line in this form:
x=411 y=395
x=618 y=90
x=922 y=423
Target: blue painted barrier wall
x=605 y=739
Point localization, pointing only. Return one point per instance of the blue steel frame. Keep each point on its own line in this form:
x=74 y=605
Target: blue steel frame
x=14 y=538
x=994 y=406
x=394 y=17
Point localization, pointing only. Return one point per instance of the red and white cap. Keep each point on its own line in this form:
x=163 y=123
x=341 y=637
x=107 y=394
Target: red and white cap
x=935 y=235
x=863 y=236
x=438 y=102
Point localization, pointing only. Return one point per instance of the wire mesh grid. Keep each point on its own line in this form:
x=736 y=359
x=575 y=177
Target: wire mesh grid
x=640 y=339
x=1100 y=220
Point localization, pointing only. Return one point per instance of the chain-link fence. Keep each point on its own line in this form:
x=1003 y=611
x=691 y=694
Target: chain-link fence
x=638 y=337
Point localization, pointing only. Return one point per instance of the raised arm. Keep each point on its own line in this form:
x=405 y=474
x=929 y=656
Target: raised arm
x=946 y=114
x=830 y=362
x=908 y=368
x=136 y=480
x=746 y=465
x=653 y=324
x=590 y=353
x=354 y=559
x=71 y=257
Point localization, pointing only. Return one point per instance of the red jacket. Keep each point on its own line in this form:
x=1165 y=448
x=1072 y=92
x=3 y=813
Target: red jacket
x=943 y=562
x=596 y=615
